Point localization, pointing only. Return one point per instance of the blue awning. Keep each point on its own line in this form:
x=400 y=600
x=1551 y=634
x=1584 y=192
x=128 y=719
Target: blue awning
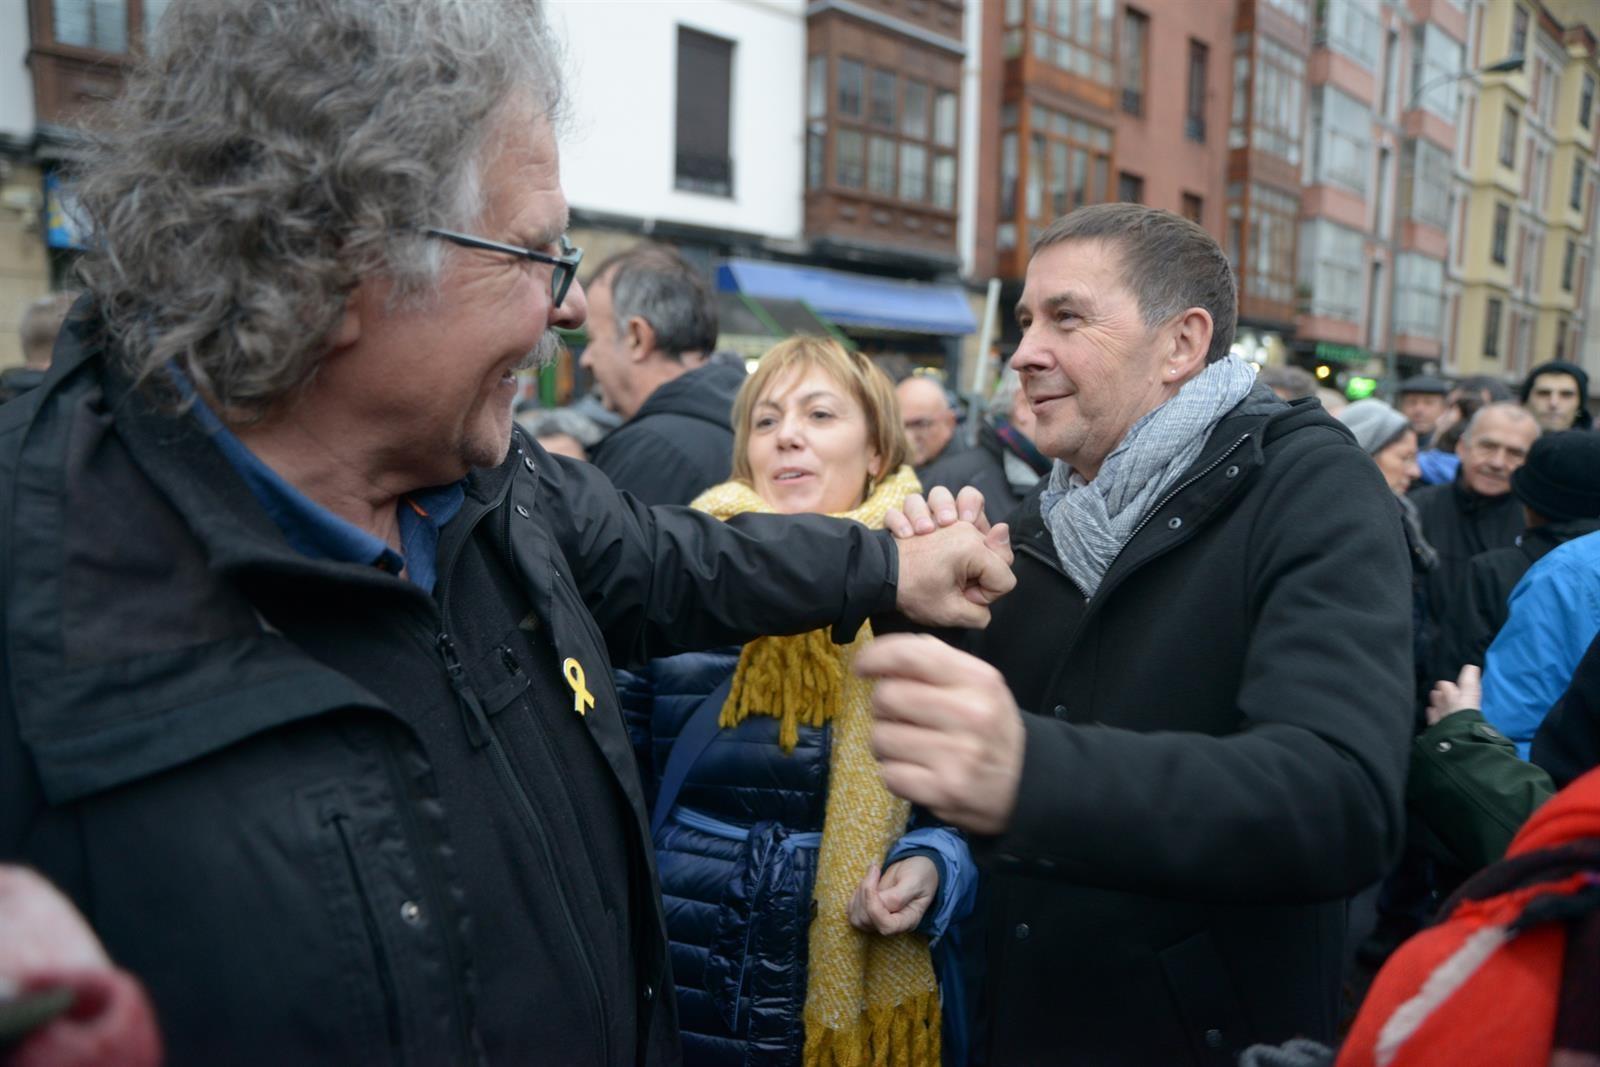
x=854 y=299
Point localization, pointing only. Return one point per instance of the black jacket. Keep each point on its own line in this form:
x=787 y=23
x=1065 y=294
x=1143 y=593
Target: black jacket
x=1215 y=761
x=983 y=467
x=1490 y=578
x=1459 y=524
x=323 y=816
x=680 y=441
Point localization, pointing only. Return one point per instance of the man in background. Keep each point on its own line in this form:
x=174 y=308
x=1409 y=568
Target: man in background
x=652 y=327
x=929 y=420
x=40 y=324
x=1422 y=401
x=1557 y=394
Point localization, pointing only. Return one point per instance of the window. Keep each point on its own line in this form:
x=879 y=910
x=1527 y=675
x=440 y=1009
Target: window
x=1491 y=328
x=1343 y=144
x=914 y=115
x=1575 y=198
x=1239 y=117
x=1586 y=101
x=944 y=181
x=1130 y=188
x=913 y=172
x=1333 y=262
x=1194 y=122
x=1193 y=206
x=705 y=93
x=944 y=119
x=1502 y=225
x=816 y=157
x=1279 y=99
x=1074 y=36
x=1009 y=176
x=881 y=108
x=1561 y=339
x=1425 y=183
x=1068 y=165
x=153 y=10
x=1295 y=9
x=1391 y=47
x=1135 y=41
x=1270 y=265
x=880 y=166
x=850 y=164
x=852 y=82
x=1508 y=137
x=1419 y=296
x=1519 y=31
x=817 y=87
x=1434 y=59
x=1567 y=261
x=1350 y=27
x=101 y=24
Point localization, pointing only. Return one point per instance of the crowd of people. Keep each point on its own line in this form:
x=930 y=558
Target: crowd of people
x=1172 y=714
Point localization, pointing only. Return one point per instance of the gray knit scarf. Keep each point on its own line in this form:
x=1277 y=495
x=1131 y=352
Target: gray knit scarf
x=1091 y=521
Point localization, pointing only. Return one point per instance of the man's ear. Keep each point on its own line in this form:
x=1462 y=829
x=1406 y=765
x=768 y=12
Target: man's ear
x=347 y=331
x=1190 y=334
x=640 y=339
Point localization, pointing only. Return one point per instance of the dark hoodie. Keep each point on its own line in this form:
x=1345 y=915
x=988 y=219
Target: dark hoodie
x=1583 y=421
x=680 y=442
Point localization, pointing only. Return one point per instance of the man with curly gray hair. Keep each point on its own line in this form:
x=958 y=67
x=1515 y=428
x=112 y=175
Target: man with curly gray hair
x=307 y=653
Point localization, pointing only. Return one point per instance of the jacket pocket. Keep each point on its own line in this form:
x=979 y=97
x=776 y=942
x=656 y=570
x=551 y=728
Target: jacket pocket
x=1204 y=1000
x=351 y=894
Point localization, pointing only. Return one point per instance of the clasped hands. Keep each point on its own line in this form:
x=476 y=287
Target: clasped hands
x=947 y=732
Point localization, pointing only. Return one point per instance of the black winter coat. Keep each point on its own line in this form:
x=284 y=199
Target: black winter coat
x=323 y=816
x=1215 y=761
x=983 y=467
x=1568 y=741
x=680 y=441
x=1459 y=524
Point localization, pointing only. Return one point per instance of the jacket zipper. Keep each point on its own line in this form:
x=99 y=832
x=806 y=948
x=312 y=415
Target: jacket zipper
x=380 y=957
x=481 y=732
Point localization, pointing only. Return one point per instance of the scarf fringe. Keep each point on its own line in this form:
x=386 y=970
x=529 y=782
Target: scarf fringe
x=796 y=680
x=888 y=1035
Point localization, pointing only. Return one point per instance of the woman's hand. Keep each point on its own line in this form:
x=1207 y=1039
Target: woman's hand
x=894 y=901
x=1448 y=698
x=940 y=509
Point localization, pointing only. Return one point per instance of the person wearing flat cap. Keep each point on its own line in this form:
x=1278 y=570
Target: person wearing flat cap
x=1559 y=488
x=1422 y=401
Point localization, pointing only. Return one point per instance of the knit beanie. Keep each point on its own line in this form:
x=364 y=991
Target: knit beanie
x=1374 y=423
x=1561 y=477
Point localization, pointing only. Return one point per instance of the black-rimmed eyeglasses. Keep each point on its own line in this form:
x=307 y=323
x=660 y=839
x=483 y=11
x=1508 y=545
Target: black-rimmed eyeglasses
x=566 y=264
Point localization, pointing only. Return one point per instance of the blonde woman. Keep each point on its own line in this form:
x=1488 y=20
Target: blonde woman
x=801 y=906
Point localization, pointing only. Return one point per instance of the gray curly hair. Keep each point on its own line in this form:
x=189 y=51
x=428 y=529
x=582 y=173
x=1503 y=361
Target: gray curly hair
x=265 y=157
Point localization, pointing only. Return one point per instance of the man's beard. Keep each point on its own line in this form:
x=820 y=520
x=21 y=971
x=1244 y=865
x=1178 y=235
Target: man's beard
x=544 y=353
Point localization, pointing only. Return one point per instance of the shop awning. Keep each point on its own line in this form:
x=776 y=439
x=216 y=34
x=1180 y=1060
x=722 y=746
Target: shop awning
x=750 y=326
x=854 y=300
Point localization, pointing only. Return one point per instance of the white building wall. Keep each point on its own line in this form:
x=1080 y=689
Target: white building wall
x=16 y=83
x=618 y=152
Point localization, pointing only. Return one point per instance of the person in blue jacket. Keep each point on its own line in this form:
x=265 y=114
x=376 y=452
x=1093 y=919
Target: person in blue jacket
x=805 y=904
x=1554 y=614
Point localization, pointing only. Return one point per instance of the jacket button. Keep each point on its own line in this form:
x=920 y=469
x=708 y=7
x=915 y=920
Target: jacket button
x=649 y=992
x=411 y=912
x=527 y=461
x=1059 y=711
x=1022 y=931
x=1174 y=522
x=1444 y=746
x=1232 y=472
x=1213 y=1039
x=522 y=511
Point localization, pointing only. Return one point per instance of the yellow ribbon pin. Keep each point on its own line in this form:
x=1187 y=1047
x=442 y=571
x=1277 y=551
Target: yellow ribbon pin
x=582 y=699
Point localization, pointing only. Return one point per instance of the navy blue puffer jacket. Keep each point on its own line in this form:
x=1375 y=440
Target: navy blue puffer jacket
x=737 y=861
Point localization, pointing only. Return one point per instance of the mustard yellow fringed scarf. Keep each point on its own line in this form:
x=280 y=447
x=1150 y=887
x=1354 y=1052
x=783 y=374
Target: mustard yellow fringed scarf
x=871 y=1001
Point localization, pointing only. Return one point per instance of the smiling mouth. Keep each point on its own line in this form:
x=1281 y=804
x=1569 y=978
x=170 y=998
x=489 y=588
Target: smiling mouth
x=790 y=476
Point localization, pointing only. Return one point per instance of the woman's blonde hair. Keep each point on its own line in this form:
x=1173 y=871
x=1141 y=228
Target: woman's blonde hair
x=871 y=388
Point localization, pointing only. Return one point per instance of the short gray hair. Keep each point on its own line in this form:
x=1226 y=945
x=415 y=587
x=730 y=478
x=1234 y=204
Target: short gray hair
x=662 y=288
x=265 y=157
x=1169 y=264
x=1517 y=412
x=547 y=422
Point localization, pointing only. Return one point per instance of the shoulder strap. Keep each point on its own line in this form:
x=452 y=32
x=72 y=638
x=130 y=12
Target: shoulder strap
x=693 y=739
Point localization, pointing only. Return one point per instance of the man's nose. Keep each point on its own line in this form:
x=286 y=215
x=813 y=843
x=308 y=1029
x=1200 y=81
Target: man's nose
x=573 y=310
x=1028 y=356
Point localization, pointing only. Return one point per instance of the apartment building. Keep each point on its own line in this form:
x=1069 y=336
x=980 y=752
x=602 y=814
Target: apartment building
x=1527 y=223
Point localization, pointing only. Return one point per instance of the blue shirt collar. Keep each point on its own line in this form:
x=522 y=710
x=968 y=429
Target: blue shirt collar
x=317 y=533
